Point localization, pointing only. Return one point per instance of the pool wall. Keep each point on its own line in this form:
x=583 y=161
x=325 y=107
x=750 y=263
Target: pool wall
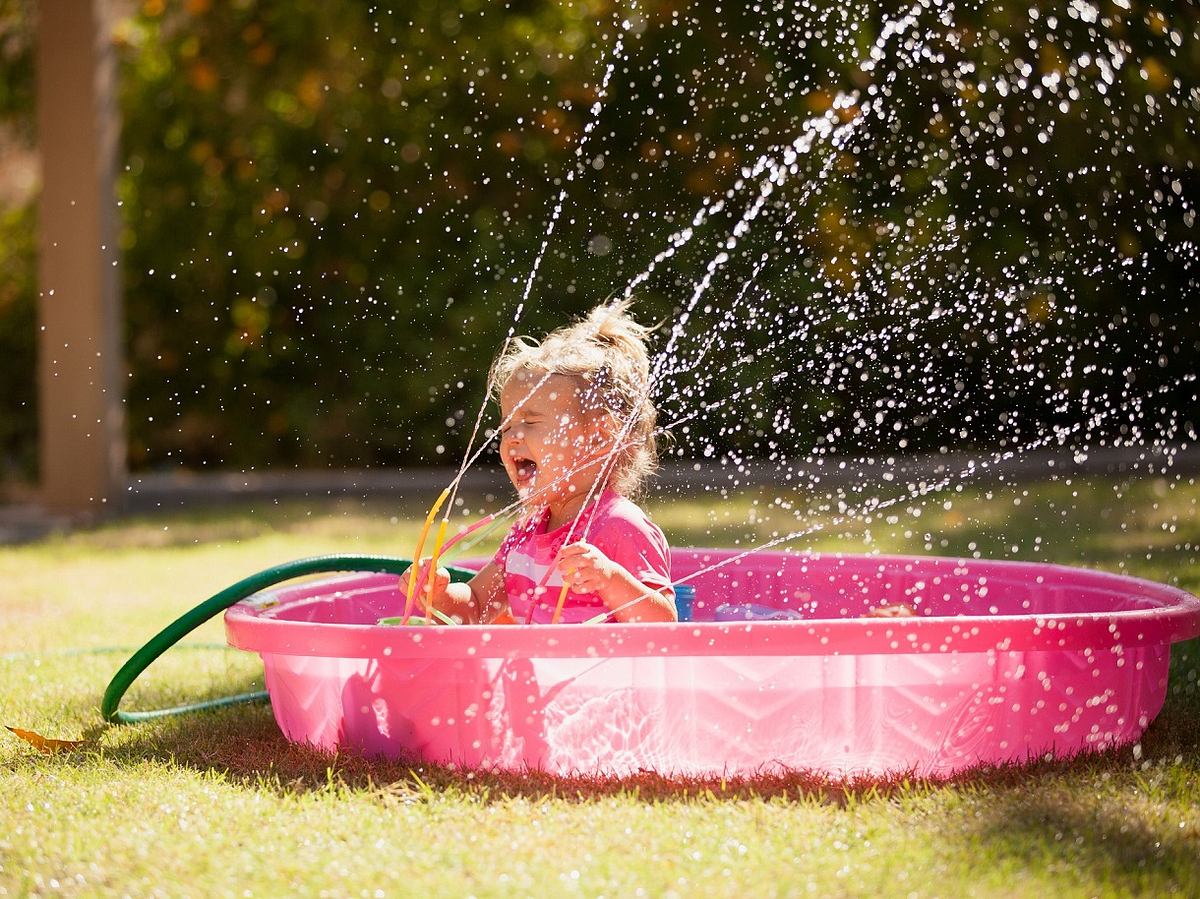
x=1004 y=662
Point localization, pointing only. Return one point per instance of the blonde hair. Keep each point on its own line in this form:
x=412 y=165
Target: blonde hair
x=605 y=352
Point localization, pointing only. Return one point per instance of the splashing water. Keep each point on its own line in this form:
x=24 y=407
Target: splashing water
x=806 y=272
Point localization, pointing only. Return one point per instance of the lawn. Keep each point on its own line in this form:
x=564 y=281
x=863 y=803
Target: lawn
x=219 y=803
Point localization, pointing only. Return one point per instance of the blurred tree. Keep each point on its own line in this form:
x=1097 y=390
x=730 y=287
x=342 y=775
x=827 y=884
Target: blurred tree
x=331 y=213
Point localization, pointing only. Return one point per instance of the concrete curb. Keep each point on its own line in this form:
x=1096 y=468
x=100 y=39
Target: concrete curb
x=160 y=490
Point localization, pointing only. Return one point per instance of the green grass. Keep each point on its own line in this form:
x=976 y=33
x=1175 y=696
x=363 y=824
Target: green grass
x=220 y=803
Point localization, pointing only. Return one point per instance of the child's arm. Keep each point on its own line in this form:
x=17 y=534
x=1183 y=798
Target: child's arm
x=477 y=601
x=588 y=570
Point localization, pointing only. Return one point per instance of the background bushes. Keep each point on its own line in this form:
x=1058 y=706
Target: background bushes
x=331 y=210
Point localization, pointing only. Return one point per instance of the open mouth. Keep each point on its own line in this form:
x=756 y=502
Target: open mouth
x=525 y=470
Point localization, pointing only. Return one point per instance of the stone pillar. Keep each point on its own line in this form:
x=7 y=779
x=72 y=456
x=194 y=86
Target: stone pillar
x=80 y=367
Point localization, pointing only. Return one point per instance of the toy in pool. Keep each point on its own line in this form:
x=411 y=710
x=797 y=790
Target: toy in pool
x=1003 y=662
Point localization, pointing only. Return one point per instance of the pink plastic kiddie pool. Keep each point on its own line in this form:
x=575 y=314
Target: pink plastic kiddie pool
x=1003 y=662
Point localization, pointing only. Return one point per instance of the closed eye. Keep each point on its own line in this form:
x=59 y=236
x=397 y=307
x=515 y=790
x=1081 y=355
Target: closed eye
x=527 y=422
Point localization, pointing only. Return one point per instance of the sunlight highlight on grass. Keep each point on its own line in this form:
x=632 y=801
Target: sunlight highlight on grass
x=217 y=793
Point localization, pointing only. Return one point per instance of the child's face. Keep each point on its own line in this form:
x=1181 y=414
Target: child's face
x=546 y=437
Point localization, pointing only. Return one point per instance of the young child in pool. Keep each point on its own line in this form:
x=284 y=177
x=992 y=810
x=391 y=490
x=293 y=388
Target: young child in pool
x=564 y=405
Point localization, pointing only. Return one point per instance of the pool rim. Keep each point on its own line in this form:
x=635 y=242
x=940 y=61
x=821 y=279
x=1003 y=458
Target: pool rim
x=251 y=625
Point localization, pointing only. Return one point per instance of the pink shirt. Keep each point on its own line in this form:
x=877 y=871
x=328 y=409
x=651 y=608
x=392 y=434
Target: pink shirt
x=619 y=529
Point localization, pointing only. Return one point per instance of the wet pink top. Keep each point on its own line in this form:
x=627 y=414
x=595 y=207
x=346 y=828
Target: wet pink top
x=618 y=528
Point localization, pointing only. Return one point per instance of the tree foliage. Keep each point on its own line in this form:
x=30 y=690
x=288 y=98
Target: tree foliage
x=331 y=210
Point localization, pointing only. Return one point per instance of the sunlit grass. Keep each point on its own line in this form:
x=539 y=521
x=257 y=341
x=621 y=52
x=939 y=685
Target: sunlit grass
x=220 y=803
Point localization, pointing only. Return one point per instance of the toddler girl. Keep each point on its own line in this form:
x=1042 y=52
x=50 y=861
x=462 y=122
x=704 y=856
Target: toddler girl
x=576 y=439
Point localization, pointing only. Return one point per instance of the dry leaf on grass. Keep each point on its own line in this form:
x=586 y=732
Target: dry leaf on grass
x=45 y=744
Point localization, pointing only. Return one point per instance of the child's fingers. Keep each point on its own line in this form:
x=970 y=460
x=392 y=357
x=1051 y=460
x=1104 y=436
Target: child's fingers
x=435 y=580
x=417 y=570
x=572 y=565
x=579 y=554
x=419 y=566
x=421 y=580
x=586 y=584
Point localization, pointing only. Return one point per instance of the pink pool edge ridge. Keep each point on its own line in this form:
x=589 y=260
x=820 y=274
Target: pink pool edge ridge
x=1005 y=661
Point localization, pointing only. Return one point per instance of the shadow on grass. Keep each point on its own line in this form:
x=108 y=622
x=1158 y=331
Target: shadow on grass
x=1105 y=844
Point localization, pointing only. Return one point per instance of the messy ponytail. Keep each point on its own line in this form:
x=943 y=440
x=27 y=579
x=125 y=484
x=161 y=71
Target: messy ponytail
x=606 y=353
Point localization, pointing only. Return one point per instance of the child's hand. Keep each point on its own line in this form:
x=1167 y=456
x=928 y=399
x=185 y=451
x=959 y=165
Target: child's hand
x=585 y=569
x=440 y=580
x=901 y=610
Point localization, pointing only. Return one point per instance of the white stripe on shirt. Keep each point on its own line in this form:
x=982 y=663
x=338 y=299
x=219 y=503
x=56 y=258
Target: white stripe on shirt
x=519 y=563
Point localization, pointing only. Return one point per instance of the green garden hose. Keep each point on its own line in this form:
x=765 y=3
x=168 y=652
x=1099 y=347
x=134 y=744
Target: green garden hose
x=188 y=622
